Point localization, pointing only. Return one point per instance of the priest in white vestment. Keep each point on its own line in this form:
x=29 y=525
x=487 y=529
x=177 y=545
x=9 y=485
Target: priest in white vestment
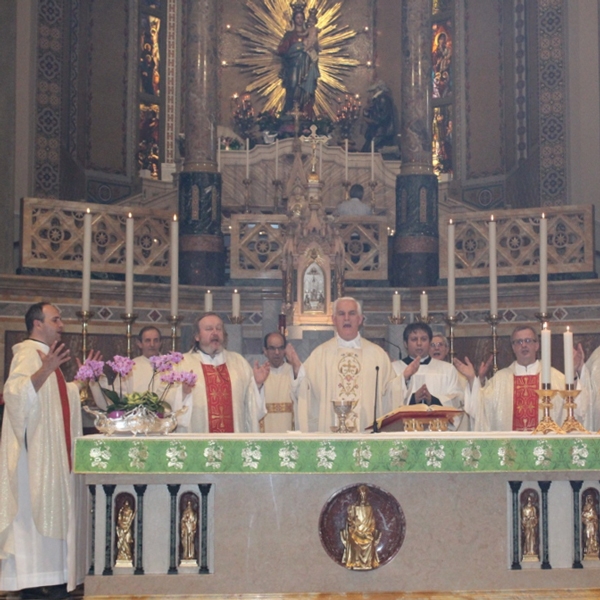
x=347 y=367
x=593 y=369
x=226 y=397
x=38 y=492
x=426 y=380
x=284 y=365
x=508 y=401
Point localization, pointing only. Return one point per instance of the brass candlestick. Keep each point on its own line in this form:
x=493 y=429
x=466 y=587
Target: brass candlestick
x=396 y=320
x=493 y=321
x=174 y=320
x=571 y=424
x=451 y=320
x=85 y=316
x=129 y=320
x=419 y=318
x=373 y=185
x=247 y=181
x=236 y=320
x=547 y=424
x=346 y=186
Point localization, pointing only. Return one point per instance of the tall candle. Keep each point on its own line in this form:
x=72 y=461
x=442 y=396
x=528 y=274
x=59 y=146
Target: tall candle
x=247 y=158
x=493 y=267
x=86 y=275
x=346 y=160
x=174 y=254
x=277 y=159
x=568 y=350
x=129 y=265
x=372 y=160
x=208 y=301
x=424 y=305
x=396 y=305
x=543 y=264
x=546 y=354
x=451 y=270
x=235 y=304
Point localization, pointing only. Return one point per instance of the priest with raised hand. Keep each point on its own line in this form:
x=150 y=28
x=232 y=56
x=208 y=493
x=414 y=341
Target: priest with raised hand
x=347 y=367
x=426 y=380
x=509 y=400
x=226 y=397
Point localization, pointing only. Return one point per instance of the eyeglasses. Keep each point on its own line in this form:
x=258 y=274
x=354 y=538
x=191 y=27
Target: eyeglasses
x=438 y=345
x=276 y=348
x=523 y=341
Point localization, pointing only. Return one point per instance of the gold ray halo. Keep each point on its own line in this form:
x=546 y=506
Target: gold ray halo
x=268 y=22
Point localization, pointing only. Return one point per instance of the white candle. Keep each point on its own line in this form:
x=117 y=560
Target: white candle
x=493 y=267
x=86 y=275
x=208 y=301
x=543 y=264
x=372 y=160
x=129 y=265
x=568 y=350
x=276 y=159
x=396 y=305
x=546 y=354
x=424 y=305
x=346 y=160
x=174 y=254
x=247 y=158
x=451 y=273
x=235 y=304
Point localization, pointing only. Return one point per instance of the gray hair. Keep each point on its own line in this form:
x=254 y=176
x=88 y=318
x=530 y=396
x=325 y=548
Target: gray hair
x=335 y=304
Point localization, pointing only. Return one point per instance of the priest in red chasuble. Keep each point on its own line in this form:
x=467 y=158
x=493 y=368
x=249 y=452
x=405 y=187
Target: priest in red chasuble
x=508 y=401
x=226 y=397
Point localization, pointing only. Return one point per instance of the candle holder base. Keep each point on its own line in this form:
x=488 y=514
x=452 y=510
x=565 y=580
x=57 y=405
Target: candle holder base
x=571 y=424
x=129 y=319
x=236 y=320
x=174 y=320
x=542 y=317
x=547 y=424
x=85 y=316
x=422 y=319
x=493 y=319
x=451 y=321
x=396 y=320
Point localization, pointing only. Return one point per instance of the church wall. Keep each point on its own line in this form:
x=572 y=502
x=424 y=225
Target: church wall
x=8 y=21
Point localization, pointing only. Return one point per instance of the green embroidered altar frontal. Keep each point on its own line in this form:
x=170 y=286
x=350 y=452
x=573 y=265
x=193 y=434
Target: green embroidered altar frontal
x=303 y=453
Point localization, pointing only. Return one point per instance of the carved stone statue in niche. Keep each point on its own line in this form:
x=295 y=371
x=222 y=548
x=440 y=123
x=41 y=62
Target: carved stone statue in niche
x=188 y=530
x=530 y=527
x=589 y=521
x=361 y=535
x=124 y=531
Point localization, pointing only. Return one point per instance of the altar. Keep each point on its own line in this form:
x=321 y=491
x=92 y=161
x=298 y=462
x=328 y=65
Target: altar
x=266 y=504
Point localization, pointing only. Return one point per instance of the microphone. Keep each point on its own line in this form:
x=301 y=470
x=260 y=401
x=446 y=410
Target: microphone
x=375 y=425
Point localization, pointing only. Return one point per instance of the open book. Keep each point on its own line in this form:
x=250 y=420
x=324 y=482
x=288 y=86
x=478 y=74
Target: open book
x=417 y=411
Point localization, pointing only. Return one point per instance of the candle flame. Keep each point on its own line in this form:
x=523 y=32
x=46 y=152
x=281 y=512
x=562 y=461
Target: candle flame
x=396 y=292
x=130 y=216
x=174 y=217
x=424 y=293
x=492 y=218
x=208 y=291
x=450 y=222
x=545 y=325
x=543 y=215
x=235 y=291
x=88 y=211
x=568 y=328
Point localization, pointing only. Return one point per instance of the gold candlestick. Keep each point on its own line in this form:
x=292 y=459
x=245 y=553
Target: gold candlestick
x=547 y=424
x=85 y=316
x=571 y=424
x=373 y=185
x=543 y=317
x=174 y=320
x=493 y=321
x=247 y=181
x=346 y=186
x=236 y=320
x=396 y=320
x=451 y=320
x=421 y=319
x=129 y=320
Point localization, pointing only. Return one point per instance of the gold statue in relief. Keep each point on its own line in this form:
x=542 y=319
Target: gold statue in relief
x=125 y=535
x=589 y=519
x=188 y=528
x=529 y=525
x=360 y=536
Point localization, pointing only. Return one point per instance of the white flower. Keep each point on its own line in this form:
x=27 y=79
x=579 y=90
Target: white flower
x=471 y=454
x=579 y=453
x=176 y=454
x=507 y=454
x=251 y=455
x=326 y=455
x=398 y=453
x=362 y=454
x=100 y=455
x=214 y=455
x=435 y=454
x=138 y=454
x=289 y=455
x=542 y=453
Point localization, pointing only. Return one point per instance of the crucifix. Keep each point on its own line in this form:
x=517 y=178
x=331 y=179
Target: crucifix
x=314 y=140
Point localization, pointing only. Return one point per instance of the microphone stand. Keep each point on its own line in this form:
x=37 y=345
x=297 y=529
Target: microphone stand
x=375 y=425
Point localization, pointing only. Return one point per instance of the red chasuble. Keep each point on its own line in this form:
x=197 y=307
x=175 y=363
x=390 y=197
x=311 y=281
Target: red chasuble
x=66 y=412
x=219 y=398
x=526 y=402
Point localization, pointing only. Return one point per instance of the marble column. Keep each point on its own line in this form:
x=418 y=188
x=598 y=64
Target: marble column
x=202 y=251
x=415 y=253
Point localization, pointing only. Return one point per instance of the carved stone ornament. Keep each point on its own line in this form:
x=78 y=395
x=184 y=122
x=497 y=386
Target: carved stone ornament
x=362 y=527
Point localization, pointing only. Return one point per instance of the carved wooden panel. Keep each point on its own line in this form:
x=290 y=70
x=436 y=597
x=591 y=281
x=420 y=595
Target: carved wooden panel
x=53 y=237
